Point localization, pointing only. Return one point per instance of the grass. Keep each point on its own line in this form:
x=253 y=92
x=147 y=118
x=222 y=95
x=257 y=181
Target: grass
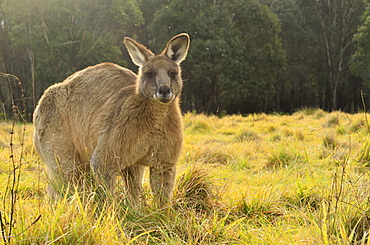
x=256 y=179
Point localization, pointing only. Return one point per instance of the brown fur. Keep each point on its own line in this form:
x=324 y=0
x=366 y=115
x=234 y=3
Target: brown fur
x=108 y=119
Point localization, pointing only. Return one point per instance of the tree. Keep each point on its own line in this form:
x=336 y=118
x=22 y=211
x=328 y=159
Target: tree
x=337 y=20
x=245 y=56
x=360 y=60
x=235 y=58
x=317 y=37
x=50 y=39
x=302 y=82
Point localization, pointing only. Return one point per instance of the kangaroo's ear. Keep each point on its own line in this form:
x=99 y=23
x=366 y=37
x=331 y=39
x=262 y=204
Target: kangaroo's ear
x=177 y=48
x=139 y=54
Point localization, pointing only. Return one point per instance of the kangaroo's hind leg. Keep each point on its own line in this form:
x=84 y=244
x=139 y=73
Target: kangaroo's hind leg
x=62 y=160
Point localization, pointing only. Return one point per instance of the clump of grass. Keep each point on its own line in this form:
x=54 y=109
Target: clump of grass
x=282 y=157
x=260 y=211
x=319 y=114
x=210 y=153
x=247 y=135
x=308 y=111
x=299 y=116
x=287 y=131
x=364 y=155
x=228 y=133
x=330 y=141
x=198 y=123
x=303 y=200
x=200 y=126
x=194 y=189
x=355 y=228
x=341 y=223
x=279 y=159
x=276 y=137
x=357 y=125
x=333 y=120
x=252 y=208
x=341 y=130
x=259 y=117
x=271 y=128
x=299 y=135
x=344 y=213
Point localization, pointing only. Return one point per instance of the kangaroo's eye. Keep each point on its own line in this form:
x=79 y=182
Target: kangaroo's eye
x=172 y=75
x=149 y=74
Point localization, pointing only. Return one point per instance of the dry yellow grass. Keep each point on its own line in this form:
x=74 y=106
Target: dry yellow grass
x=258 y=179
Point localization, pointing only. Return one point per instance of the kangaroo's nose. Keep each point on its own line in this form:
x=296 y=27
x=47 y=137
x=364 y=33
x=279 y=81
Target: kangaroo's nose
x=164 y=94
x=164 y=91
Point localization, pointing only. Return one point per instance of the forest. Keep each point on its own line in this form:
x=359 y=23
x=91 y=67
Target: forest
x=246 y=56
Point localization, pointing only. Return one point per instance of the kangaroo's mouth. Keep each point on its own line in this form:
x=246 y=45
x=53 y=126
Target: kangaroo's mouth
x=165 y=101
x=164 y=98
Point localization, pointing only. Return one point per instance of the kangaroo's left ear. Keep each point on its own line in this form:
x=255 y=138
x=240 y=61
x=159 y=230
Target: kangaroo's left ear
x=177 y=48
x=139 y=54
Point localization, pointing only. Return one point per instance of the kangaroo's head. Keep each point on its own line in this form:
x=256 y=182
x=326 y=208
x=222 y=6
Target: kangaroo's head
x=160 y=75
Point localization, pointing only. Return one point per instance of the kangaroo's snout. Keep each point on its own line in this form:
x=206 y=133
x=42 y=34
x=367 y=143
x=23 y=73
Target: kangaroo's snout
x=164 y=94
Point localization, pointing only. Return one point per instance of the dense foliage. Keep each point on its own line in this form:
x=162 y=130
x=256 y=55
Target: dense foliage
x=245 y=56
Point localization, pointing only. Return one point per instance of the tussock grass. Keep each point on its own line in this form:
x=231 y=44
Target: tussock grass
x=283 y=157
x=307 y=111
x=364 y=154
x=194 y=189
x=247 y=135
x=198 y=123
x=255 y=179
x=330 y=141
x=333 y=119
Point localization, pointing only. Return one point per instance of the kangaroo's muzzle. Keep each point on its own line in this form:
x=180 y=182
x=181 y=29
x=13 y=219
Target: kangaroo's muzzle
x=164 y=94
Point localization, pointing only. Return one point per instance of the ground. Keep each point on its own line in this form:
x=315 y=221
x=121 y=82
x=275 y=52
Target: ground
x=253 y=179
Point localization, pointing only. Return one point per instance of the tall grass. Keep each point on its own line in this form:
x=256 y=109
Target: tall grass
x=256 y=179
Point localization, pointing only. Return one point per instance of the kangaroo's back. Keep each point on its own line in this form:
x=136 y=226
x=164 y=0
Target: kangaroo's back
x=88 y=91
x=73 y=105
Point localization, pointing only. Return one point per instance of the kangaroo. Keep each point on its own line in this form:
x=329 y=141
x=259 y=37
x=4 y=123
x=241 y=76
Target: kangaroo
x=107 y=121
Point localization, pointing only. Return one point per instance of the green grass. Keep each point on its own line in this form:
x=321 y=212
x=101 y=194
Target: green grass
x=257 y=179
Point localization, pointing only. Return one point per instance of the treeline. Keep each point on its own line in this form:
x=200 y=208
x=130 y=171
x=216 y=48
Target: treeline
x=245 y=56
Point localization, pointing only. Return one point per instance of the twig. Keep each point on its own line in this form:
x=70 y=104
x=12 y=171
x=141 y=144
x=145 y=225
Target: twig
x=364 y=105
x=8 y=221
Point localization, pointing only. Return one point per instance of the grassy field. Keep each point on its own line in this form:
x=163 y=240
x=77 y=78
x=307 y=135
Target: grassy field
x=258 y=179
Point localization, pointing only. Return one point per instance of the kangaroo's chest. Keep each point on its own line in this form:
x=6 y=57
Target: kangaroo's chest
x=156 y=147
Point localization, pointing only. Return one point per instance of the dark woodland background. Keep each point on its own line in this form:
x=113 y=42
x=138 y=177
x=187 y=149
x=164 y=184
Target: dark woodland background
x=246 y=56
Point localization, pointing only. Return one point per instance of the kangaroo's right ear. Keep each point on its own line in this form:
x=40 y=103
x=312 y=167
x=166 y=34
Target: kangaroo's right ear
x=139 y=54
x=177 y=48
